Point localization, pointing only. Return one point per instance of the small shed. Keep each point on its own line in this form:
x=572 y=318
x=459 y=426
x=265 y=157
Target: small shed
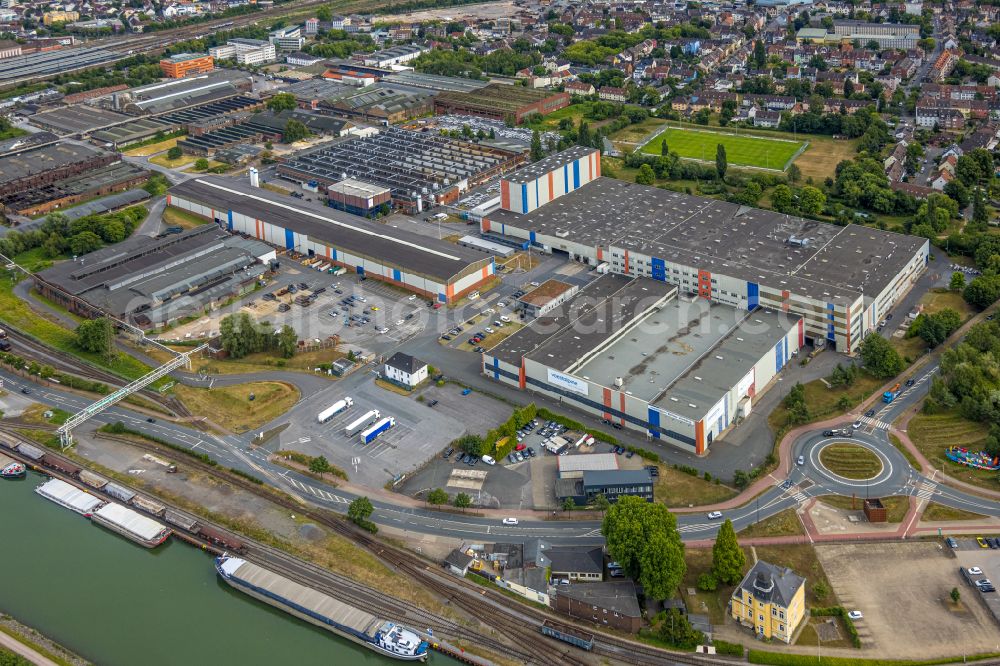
x=875 y=511
x=458 y=562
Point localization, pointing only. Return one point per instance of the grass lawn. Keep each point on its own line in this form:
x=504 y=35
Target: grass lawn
x=713 y=604
x=153 y=148
x=277 y=189
x=35 y=260
x=163 y=161
x=18 y=315
x=935 y=511
x=211 y=165
x=850 y=461
x=677 y=489
x=178 y=217
x=910 y=458
x=823 y=401
x=933 y=433
x=800 y=558
x=895 y=507
x=741 y=150
x=36 y=414
x=786 y=523
x=231 y=407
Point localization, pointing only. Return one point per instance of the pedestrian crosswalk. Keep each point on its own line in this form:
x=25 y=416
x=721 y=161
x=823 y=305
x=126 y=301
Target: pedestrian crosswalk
x=926 y=490
x=316 y=492
x=874 y=423
x=793 y=491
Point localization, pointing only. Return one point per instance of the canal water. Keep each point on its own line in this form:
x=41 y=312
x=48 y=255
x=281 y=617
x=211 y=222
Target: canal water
x=118 y=604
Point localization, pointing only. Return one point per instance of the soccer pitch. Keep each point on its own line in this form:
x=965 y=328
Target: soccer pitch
x=741 y=149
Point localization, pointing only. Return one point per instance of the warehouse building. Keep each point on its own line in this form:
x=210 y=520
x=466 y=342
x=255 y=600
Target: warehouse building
x=394 y=55
x=152 y=282
x=435 y=269
x=631 y=351
x=612 y=484
x=174 y=94
x=97 y=182
x=420 y=169
x=49 y=164
x=841 y=280
x=501 y=102
x=359 y=198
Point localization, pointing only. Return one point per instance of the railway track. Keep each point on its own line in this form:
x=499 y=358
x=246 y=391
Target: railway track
x=491 y=607
x=31 y=349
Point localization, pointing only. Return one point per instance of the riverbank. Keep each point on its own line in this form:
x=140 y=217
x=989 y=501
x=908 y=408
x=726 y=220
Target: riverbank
x=35 y=647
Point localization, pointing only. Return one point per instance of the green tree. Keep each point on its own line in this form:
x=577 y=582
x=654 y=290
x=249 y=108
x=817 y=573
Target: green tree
x=983 y=291
x=602 y=504
x=728 y=559
x=239 y=335
x=201 y=164
x=462 y=501
x=794 y=173
x=848 y=88
x=646 y=175
x=287 y=341
x=880 y=358
x=85 y=242
x=968 y=170
x=96 y=335
x=759 y=54
x=676 y=630
x=568 y=504
x=324 y=13
x=156 y=185
x=980 y=214
x=955 y=595
x=294 y=131
x=437 y=497
x=664 y=149
x=360 y=510
x=175 y=153
x=536 y=146
x=282 y=102
x=643 y=537
x=781 y=199
x=319 y=465
x=721 y=164
x=811 y=200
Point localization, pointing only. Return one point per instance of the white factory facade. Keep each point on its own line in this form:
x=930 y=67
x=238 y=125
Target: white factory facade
x=840 y=280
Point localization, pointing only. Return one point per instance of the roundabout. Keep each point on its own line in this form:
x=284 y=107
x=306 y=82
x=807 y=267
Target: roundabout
x=850 y=461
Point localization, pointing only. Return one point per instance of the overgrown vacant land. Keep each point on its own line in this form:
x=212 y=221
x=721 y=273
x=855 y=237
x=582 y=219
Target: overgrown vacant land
x=741 y=149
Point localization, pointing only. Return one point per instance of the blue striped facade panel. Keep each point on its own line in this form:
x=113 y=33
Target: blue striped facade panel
x=753 y=295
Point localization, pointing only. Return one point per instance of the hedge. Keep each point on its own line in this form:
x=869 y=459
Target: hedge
x=727 y=648
x=119 y=428
x=785 y=659
x=841 y=612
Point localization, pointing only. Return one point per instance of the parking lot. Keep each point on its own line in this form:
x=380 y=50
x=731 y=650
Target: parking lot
x=903 y=591
x=420 y=432
x=971 y=553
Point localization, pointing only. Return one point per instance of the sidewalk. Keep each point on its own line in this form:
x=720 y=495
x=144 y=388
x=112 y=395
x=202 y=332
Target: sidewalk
x=29 y=653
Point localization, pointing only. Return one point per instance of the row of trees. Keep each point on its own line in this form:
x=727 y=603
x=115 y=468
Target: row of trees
x=241 y=336
x=969 y=380
x=935 y=328
x=58 y=236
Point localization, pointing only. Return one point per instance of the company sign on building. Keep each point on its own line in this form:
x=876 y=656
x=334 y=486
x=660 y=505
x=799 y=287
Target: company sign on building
x=567 y=382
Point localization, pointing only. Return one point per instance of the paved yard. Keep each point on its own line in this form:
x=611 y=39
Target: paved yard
x=903 y=590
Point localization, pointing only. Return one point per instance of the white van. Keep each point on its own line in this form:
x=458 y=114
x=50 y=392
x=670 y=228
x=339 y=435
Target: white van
x=505 y=319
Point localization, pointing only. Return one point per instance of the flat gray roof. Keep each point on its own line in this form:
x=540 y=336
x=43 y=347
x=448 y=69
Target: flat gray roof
x=652 y=355
x=594 y=314
x=436 y=81
x=409 y=251
x=704 y=382
x=78 y=118
x=834 y=264
x=46 y=158
x=532 y=171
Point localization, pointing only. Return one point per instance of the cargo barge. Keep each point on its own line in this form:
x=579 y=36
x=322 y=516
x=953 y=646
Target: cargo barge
x=69 y=496
x=376 y=634
x=131 y=525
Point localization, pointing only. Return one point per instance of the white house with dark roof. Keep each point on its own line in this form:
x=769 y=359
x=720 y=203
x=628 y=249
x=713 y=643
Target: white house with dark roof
x=405 y=370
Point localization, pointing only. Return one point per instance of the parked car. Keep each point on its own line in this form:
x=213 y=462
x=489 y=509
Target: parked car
x=654 y=471
x=715 y=515
x=979 y=540
x=432 y=403
x=447 y=453
x=489 y=460
x=975 y=571
x=952 y=543
x=855 y=615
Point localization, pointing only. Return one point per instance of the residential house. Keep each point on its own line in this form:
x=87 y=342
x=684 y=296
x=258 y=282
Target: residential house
x=578 y=88
x=576 y=563
x=771 y=601
x=611 y=94
x=405 y=370
x=607 y=604
x=767 y=119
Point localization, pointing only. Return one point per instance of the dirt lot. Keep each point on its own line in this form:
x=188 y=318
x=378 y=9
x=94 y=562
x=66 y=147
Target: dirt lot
x=902 y=589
